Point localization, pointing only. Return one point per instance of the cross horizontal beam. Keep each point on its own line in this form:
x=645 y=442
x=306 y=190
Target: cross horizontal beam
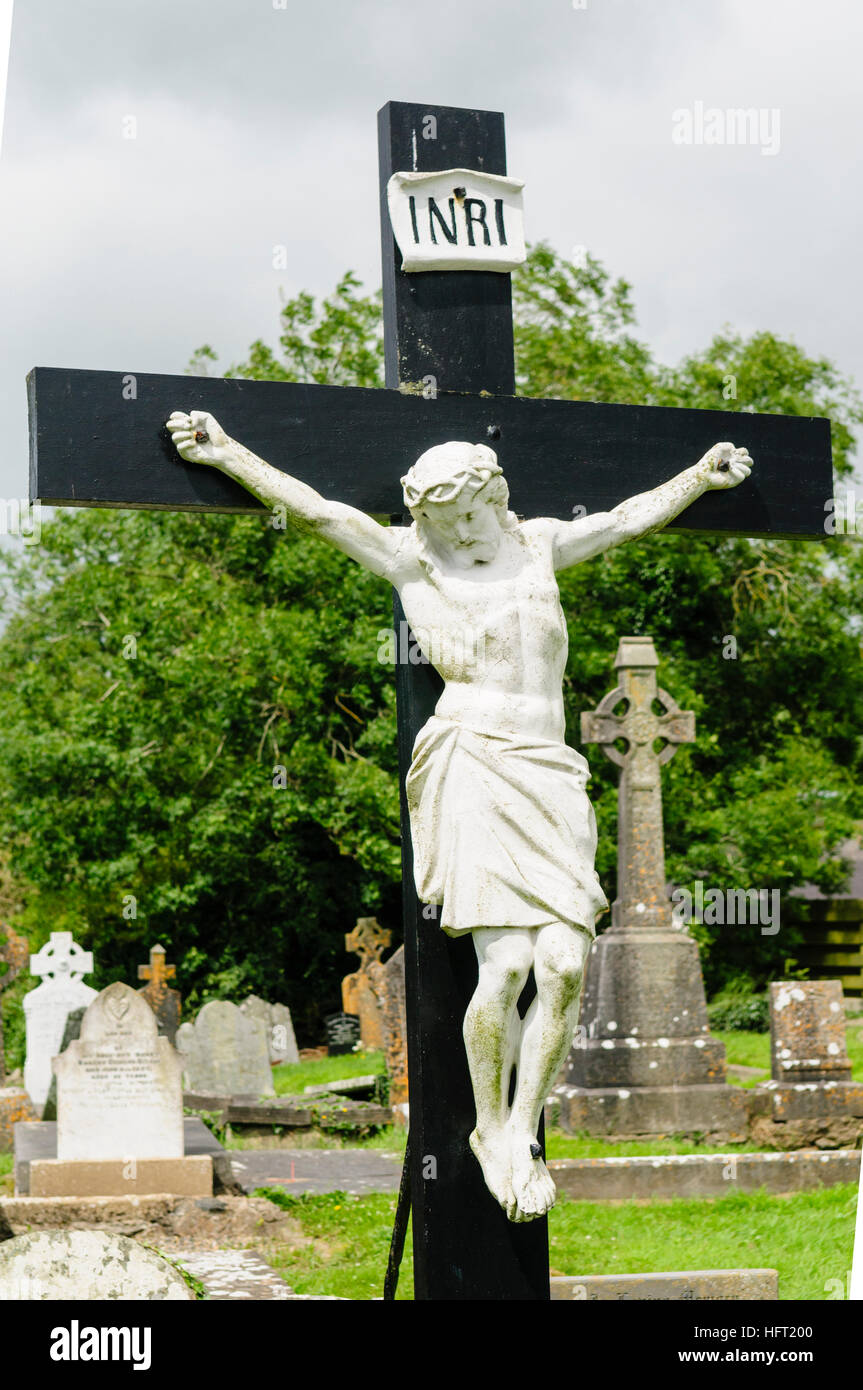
x=90 y=446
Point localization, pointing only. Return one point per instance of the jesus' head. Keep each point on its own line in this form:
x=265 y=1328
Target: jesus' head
x=458 y=497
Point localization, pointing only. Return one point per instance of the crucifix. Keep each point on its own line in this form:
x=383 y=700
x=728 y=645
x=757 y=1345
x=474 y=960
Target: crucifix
x=461 y=563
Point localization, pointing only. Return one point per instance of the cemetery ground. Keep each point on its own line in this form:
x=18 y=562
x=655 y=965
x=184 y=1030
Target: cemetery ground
x=336 y=1243
x=808 y=1237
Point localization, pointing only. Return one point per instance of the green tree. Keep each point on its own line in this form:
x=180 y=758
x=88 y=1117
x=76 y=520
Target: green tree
x=197 y=742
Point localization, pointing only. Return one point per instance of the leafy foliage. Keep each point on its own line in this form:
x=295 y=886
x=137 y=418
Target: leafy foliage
x=737 y=1009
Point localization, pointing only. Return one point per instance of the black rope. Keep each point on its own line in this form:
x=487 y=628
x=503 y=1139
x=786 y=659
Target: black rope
x=400 y=1228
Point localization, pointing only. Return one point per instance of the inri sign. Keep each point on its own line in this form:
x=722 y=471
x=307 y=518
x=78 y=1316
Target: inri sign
x=457 y=219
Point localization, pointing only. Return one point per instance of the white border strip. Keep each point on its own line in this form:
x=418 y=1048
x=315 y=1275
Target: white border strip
x=856 y=1287
x=5 y=45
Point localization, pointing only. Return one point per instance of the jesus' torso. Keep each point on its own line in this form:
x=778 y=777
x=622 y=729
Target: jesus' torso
x=496 y=633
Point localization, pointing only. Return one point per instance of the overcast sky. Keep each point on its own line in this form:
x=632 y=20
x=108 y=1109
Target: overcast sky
x=256 y=127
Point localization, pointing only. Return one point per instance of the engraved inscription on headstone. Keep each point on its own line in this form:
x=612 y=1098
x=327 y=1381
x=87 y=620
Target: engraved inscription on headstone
x=119 y=1091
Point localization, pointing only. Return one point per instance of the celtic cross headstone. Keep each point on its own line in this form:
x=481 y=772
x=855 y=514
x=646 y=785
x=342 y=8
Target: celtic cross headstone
x=62 y=964
x=643 y=1061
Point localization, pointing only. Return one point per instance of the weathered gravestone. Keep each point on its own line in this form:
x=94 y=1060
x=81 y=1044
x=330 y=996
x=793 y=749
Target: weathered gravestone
x=810 y=1099
x=119 y=1109
x=14 y=1102
x=70 y=1033
x=643 y=1061
x=224 y=1053
x=62 y=964
x=368 y=940
x=164 y=1001
x=80 y=1266
x=376 y=994
x=449 y=358
x=388 y=982
x=342 y=1033
x=276 y=1018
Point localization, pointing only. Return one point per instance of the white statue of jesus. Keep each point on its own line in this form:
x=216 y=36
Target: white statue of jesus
x=503 y=833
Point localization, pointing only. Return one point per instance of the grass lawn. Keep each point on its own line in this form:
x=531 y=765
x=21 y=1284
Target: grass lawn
x=7 y=1179
x=292 y=1079
x=808 y=1238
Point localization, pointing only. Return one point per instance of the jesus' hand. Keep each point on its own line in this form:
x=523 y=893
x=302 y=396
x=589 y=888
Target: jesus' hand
x=199 y=438
x=724 y=466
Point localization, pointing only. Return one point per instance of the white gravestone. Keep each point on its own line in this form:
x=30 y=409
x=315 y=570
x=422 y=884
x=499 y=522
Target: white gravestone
x=62 y=964
x=119 y=1091
x=225 y=1053
x=276 y=1018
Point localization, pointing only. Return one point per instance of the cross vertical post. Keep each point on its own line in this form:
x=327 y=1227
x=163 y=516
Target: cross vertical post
x=453 y=329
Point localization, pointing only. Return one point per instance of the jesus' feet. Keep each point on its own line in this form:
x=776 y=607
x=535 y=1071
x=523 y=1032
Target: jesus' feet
x=531 y=1181
x=492 y=1154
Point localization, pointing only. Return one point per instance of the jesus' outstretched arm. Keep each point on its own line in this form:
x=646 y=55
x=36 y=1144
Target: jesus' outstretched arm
x=723 y=466
x=199 y=438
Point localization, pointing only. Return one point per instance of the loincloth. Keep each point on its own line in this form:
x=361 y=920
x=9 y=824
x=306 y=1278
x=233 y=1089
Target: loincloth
x=503 y=832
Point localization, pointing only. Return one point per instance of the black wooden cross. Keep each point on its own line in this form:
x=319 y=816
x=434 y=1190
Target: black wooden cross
x=97 y=441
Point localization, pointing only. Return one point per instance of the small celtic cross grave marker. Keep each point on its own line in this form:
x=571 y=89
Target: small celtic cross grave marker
x=368 y=940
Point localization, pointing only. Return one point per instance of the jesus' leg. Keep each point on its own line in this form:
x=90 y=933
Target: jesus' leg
x=492 y=1031
x=547 y=1032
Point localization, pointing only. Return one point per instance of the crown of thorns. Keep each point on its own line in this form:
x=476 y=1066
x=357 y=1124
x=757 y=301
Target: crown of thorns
x=436 y=480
